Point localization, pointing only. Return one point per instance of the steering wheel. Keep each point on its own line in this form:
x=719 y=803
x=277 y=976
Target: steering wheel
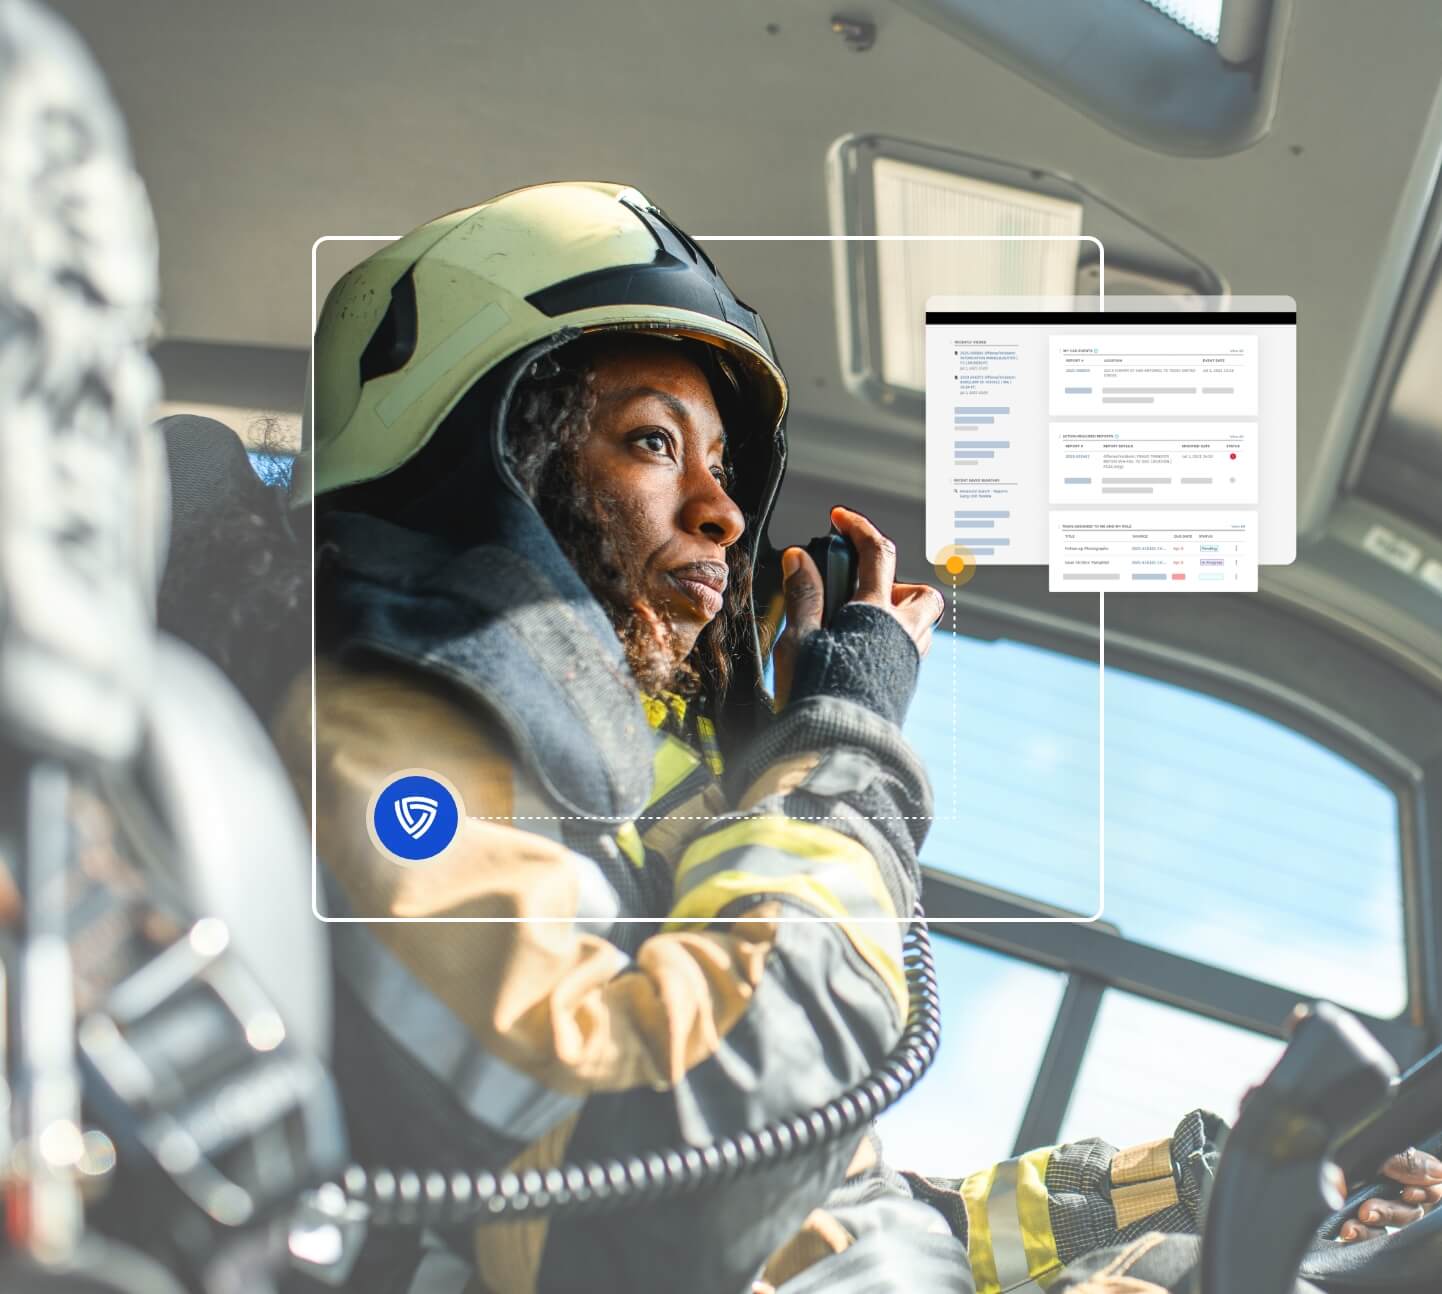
x=1406 y=1261
x=1268 y=1200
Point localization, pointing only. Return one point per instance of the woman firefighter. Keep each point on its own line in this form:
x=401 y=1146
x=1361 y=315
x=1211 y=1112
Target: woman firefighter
x=588 y=854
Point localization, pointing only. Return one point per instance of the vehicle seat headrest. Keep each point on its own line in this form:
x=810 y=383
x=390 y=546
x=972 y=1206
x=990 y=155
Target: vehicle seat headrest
x=209 y=470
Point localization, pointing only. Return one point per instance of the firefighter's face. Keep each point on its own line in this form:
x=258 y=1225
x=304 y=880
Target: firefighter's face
x=656 y=450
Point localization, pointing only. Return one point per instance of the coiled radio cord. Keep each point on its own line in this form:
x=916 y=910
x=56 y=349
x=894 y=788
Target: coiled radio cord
x=411 y=1198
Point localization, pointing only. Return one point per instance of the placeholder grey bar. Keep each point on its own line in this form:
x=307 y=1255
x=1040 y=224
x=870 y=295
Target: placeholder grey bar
x=1217 y=390
x=974 y=525
x=1127 y=399
x=964 y=462
x=981 y=552
x=966 y=426
x=1149 y=390
x=959 y=514
x=981 y=408
x=1196 y=480
x=1100 y=575
x=1158 y=575
x=982 y=444
x=981 y=453
x=1077 y=480
x=988 y=539
x=1136 y=480
x=972 y=422
x=1078 y=390
x=1127 y=489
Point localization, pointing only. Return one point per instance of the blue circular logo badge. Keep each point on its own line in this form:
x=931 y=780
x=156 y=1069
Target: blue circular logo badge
x=414 y=816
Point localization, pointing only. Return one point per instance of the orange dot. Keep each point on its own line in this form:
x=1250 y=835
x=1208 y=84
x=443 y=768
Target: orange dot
x=955 y=564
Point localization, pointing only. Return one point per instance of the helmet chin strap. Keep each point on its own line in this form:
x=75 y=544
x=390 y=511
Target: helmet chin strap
x=514 y=374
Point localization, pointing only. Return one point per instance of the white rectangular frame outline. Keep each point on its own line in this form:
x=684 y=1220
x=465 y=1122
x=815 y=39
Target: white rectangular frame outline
x=903 y=921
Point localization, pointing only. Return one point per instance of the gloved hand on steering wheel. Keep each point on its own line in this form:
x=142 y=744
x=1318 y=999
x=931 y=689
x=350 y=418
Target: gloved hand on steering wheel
x=1420 y=1176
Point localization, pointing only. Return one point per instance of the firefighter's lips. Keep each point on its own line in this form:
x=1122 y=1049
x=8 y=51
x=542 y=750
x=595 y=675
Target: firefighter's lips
x=703 y=583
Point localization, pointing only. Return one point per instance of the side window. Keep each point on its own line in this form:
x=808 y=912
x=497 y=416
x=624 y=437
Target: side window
x=1232 y=842
x=1230 y=838
x=273 y=469
x=1148 y=1064
x=966 y=1111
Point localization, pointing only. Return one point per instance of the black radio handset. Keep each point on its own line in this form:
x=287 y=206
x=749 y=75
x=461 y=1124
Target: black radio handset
x=835 y=557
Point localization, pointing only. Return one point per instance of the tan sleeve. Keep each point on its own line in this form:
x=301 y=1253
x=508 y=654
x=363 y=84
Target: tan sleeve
x=540 y=993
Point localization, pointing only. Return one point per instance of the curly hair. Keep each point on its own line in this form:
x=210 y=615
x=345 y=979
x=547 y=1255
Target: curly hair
x=239 y=592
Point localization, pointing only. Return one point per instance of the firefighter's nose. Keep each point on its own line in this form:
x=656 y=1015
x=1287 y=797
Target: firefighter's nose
x=710 y=511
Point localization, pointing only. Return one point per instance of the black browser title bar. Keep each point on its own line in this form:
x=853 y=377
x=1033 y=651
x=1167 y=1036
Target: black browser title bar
x=1121 y=318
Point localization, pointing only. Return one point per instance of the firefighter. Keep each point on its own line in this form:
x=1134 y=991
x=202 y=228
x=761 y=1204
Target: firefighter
x=547 y=437
x=586 y=857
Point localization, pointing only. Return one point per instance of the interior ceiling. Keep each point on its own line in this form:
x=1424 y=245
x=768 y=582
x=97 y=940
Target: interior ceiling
x=260 y=127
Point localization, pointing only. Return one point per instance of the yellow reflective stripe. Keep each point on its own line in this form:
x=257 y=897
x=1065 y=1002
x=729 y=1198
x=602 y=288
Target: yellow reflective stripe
x=674 y=763
x=706 y=730
x=629 y=840
x=1010 y=1240
x=807 y=842
x=658 y=705
x=725 y=888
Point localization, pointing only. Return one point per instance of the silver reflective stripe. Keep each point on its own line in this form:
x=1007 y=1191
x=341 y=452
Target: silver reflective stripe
x=1007 y=1250
x=493 y=1092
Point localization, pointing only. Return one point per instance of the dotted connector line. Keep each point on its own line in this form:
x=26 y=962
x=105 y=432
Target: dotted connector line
x=698 y=817
x=955 y=655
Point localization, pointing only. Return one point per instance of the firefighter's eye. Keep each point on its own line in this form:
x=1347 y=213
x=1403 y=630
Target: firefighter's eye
x=656 y=441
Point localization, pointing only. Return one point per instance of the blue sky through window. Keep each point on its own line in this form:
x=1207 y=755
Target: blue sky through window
x=1231 y=838
x=273 y=469
x=1148 y=1064
x=1200 y=17
x=967 y=1109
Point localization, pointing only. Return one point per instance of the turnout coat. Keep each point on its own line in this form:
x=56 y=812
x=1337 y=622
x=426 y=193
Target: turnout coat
x=634 y=943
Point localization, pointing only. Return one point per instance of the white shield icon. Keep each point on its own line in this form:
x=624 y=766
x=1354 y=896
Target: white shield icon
x=416 y=814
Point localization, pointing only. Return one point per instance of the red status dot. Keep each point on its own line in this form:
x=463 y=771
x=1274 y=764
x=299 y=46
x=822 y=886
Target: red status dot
x=1231 y=456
